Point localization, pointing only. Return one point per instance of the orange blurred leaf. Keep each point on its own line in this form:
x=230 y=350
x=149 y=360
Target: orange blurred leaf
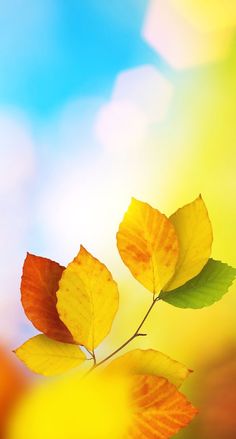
x=160 y=410
x=39 y=285
x=148 y=245
x=13 y=383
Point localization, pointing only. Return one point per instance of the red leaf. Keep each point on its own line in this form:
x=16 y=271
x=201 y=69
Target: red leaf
x=39 y=285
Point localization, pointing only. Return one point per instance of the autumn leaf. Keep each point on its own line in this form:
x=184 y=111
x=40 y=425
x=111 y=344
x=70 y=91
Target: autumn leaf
x=206 y=288
x=49 y=357
x=150 y=362
x=148 y=245
x=87 y=299
x=39 y=285
x=160 y=410
x=194 y=232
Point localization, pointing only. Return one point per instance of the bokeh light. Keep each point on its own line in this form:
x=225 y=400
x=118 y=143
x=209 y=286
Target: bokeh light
x=121 y=125
x=182 y=44
x=147 y=88
x=208 y=15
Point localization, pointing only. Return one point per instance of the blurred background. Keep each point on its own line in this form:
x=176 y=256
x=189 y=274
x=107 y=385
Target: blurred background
x=101 y=101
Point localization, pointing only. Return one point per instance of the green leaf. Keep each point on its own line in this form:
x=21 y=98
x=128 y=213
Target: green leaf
x=203 y=290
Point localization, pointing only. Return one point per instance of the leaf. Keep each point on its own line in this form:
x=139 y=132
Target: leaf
x=87 y=299
x=49 y=357
x=160 y=410
x=148 y=245
x=206 y=288
x=39 y=285
x=194 y=232
x=150 y=362
x=73 y=407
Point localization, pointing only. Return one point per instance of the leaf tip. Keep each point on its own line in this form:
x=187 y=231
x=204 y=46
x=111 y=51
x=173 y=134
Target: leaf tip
x=200 y=199
x=82 y=248
x=134 y=201
x=28 y=256
x=82 y=252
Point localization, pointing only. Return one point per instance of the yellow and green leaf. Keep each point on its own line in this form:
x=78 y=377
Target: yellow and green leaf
x=206 y=288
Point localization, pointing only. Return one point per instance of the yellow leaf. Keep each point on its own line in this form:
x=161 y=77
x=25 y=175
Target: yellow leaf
x=150 y=362
x=69 y=407
x=49 y=357
x=194 y=231
x=148 y=245
x=87 y=299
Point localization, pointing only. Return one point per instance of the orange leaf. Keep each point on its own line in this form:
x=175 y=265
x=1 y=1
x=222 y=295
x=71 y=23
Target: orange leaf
x=39 y=285
x=160 y=410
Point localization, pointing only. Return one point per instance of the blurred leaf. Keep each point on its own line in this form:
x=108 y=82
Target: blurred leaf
x=148 y=245
x=72 y=407
x=150 y=362
x=49 y=357
x=13 y=383
x=204 y=289
x=160 y=410
x=39 y=285
x=194 y=232
x=87 y=299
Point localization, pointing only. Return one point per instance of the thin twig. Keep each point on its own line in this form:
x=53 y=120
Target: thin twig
x=94 y=358
x=136 y=334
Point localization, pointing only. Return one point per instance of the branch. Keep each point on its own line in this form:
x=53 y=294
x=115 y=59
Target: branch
x=136 y=334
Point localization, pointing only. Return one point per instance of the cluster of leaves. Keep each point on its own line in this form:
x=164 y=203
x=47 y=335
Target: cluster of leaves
x=75 y=306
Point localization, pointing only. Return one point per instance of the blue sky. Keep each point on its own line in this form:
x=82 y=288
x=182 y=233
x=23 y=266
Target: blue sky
x=54 y=50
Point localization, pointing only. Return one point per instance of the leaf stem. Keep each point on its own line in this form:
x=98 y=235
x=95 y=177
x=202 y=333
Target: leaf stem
x=94 y=358
x=136 y=334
